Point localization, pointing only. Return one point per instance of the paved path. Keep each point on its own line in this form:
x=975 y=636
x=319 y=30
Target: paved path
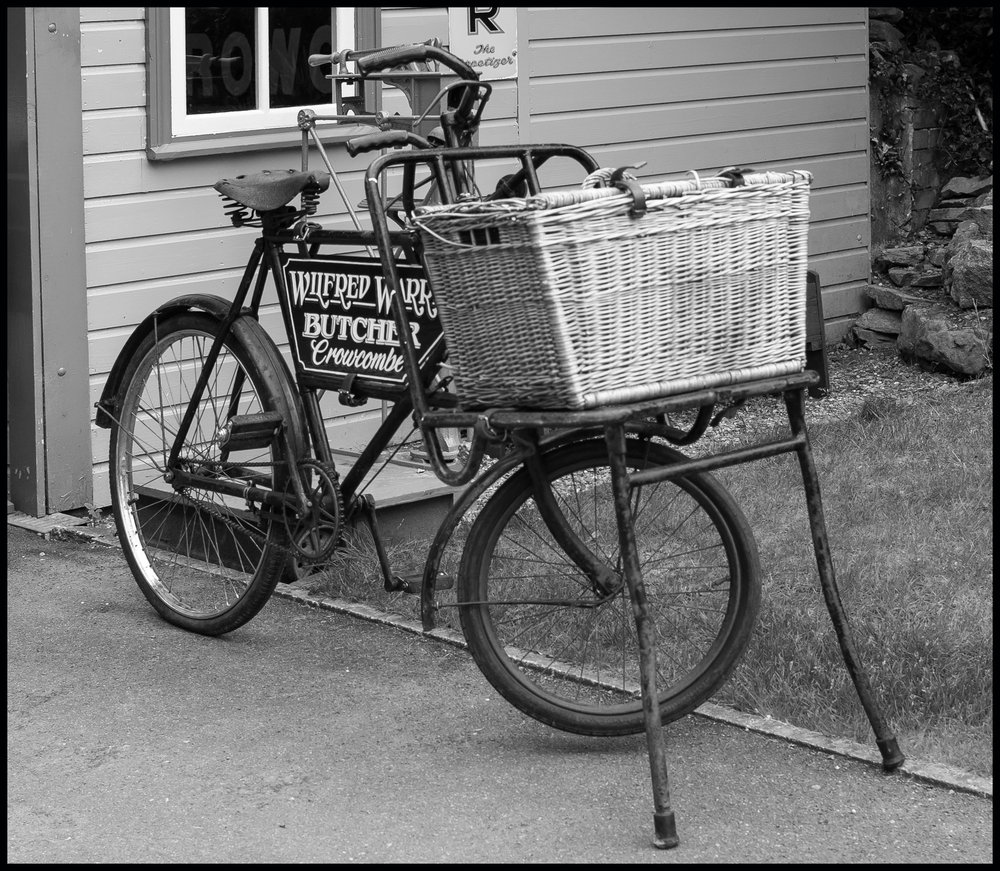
x=310 y=736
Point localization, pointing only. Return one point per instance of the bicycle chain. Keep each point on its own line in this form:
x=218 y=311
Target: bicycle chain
x=251 y=532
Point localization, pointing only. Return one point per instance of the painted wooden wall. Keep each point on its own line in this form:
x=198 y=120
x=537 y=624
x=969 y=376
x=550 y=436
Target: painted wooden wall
x=155 y=230
x=701 y=88
x=681 y=88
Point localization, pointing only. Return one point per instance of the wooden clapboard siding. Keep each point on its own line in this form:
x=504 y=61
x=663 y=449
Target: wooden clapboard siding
x=682 y=88
x=157 y=230
x=93 y=14
x=599 y=54
x=113 y=43
x=108 y=312
x=186 y=210
x=757 y=148
x=111 y=131
x=698 y=118
x=631 y=21
x=698 y=88
x=190 y=210
x=112 y=87
x=401 y=24
x=649 y=87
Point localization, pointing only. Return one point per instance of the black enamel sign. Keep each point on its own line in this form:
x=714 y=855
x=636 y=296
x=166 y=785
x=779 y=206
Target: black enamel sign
x=342 y=322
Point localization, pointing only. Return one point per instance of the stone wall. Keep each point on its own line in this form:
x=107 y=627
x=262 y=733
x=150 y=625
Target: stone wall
x=906 y=172
x=932 y=297
x=931 y=289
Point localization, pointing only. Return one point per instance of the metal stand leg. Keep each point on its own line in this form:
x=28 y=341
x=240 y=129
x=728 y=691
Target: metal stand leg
x=664 y=825
x=892 y=757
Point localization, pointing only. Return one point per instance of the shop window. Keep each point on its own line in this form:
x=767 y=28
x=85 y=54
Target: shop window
x=228 y=78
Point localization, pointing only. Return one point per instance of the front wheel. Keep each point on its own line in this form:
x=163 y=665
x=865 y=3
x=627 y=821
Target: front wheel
x=566 y=653
x=206 y=562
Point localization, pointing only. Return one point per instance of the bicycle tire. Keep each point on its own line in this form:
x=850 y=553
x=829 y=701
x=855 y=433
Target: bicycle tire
x=575 y=667
x=204 y=562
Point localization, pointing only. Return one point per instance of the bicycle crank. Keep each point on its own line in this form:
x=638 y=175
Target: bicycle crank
x=315 y=534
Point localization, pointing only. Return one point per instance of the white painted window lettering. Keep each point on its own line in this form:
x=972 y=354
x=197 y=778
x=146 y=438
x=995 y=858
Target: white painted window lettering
x=244 y=68
x=485 y=37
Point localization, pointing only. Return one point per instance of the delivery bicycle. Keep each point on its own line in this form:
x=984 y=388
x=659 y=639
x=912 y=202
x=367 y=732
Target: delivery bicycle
x=608 y=583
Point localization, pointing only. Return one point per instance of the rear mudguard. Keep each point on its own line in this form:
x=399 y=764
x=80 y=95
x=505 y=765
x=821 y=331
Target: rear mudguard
x=245 y=328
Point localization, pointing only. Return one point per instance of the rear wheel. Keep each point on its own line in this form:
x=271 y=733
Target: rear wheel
x=567 y=655
x=206 y=562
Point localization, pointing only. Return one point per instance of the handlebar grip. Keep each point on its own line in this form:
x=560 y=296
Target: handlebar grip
x=384 y=139
x=317 y=60
x=404 y=54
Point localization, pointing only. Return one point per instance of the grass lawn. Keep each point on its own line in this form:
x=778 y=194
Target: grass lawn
x=907 y=481
x=907 y=492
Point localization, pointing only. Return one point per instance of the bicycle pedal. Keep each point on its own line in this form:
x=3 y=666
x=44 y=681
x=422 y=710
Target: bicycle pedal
x=249 y=431
x=415 y=583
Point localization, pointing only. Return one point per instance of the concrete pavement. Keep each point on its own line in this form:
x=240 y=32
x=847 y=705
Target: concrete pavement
x=312 y=736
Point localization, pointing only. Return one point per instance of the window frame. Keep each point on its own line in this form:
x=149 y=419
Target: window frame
x=166 y=140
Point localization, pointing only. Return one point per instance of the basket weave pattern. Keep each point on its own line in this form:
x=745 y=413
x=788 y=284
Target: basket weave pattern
x=567 y=301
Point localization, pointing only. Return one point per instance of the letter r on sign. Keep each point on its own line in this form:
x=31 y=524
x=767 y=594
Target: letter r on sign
x=483 y=15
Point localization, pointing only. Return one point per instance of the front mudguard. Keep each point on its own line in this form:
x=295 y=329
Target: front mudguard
x=465 y=499
x=245 y=328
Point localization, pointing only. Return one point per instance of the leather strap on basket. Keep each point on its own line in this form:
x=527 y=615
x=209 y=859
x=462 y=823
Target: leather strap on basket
x=627 y=183
x=735 y=175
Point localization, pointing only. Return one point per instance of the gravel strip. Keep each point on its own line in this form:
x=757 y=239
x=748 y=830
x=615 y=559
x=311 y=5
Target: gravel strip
x=856 y=375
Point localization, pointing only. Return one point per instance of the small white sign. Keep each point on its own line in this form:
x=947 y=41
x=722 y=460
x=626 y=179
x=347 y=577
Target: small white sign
x=485 y=37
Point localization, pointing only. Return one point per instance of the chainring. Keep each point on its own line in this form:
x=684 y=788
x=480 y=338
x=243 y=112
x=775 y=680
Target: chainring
x=314 y=536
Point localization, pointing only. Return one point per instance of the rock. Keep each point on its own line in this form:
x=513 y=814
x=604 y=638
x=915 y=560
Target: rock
x=928 y=277
x=907 y=255
x=967 y=187
x=944 y=57
x=936 y=308
x=892 y=298
x=903 y=276
x=970 y=270
x=937 y=256
x=942 y=228
x=871 y=339
x=881 y=321
x=965 y=231
x=954 y=215
x=885 y=13
x=982 y=216
x=883 y=31
x=914 y=74
x=963 y=203
x=942 y=336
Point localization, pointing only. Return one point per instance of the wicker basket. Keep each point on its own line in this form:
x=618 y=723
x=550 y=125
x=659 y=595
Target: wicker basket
x=568 y=300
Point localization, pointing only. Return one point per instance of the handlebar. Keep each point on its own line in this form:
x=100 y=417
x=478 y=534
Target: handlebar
x=339 y=57
x=403 y=54
x=386 y=58
x=384 y=139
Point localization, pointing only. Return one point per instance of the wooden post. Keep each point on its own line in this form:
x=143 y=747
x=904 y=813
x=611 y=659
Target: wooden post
x=48 y=383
